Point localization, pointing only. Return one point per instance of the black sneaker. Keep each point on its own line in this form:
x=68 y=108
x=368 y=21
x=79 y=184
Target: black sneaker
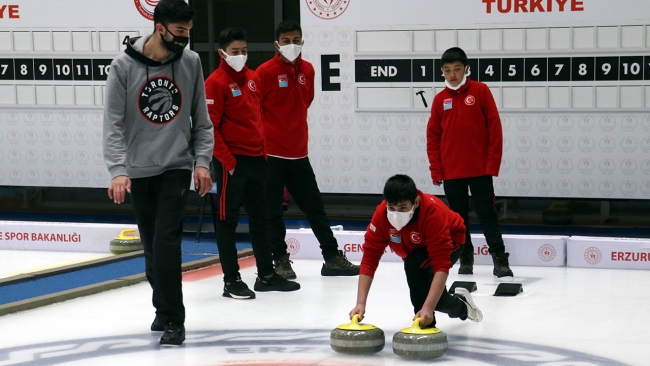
x=466 y=264
x=283 y=267
x=501 y=265
x=174 y=335
x=237 y=290
x=275 y=282
x=339 y=266
x=157 y=325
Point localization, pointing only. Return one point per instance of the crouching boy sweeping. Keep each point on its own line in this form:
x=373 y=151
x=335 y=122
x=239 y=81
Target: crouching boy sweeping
x=427 y=235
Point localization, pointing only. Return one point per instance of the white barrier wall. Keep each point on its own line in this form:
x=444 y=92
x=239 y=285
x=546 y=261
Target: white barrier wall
x=571 y=80
x=59 y=237
x=525 y=250
x=593 y=252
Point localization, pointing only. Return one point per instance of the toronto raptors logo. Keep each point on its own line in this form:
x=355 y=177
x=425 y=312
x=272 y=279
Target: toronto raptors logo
x=160 y=100
x=328 y=9
x=252 y=86
x=470 y=100
x=146 y=7
x=293 y=246
x=546 y=252
x=593 y=255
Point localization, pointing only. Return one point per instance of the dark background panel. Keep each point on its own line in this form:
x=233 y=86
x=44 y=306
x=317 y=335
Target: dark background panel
x=559 y=69
x=606 y=68
x=489 y=69
x=420 y=74
x=536 y=69
x=375 y=71
x=582 y=68
x=62 y=69
x=24 y=69
x=43 y=69
x=512 y=69
x=631 y=68
x=7 y=69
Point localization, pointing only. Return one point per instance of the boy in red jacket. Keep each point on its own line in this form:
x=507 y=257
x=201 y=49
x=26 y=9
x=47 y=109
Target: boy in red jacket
x=287 y=85
x=233 y=98
x=464 y=144
x=427 y=235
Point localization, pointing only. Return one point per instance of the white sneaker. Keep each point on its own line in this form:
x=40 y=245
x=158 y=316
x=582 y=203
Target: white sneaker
x=473 y=312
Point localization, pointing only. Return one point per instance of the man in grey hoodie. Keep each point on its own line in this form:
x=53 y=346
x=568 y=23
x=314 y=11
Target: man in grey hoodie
x=156 y=131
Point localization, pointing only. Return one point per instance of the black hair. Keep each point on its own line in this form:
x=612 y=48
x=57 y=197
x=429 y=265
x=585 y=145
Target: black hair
x=400 y=188
x=452 y=55
x=229 y=35
x=286 y=27
x=172 y=11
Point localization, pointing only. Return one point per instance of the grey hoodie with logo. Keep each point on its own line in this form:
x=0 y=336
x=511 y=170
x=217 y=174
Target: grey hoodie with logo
x=155 y=114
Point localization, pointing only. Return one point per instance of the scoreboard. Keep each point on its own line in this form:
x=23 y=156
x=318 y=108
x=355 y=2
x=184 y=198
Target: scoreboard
x=554 y=69
x=571 y=80
x=55 y=57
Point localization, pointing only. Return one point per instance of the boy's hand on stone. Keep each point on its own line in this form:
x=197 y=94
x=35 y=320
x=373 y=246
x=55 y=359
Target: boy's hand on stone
x=437 y=183
x=426 y=317
x=359 y=309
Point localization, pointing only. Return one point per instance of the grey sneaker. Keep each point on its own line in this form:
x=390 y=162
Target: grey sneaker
x=283 y=267
x=473 y=312
x=339 y=266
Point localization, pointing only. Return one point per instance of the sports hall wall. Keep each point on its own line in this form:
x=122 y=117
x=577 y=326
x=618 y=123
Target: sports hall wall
x=570 y=79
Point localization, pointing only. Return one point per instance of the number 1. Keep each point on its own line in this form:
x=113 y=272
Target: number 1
x=424 y=70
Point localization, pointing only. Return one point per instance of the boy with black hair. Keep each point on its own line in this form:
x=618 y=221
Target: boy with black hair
x=428 y=236
x=233 y=97
x=156 y=131
x=464 y=144
x=287 y=85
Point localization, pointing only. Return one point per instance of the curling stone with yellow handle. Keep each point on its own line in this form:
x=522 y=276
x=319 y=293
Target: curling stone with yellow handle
x=420 y=344
x=357 y=339
x=126 y=242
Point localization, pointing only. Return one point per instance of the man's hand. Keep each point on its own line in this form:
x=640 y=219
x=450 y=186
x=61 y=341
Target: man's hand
x=437 y=183
x=426 y=316
x=202 y=180
x=119 y=184
x=359 y=309
x=232 y=171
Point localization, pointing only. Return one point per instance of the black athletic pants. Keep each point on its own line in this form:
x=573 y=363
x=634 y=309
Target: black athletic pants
x=483 y=200
x=245 y=187
x=298 y=176
x=419 y=280
x=159 y=203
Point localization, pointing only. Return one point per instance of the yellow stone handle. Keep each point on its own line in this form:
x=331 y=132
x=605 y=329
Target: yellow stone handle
x=128 y=234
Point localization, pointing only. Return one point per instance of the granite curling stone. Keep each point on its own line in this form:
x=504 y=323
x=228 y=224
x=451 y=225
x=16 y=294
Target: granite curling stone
x=126 y=242
x=357 y=339
x=420 y=344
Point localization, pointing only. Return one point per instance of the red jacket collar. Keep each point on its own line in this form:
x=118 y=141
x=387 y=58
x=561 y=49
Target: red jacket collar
x=238 y=77
x=288 y=67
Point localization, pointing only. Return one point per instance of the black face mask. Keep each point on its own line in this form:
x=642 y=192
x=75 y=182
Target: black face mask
x=177 y=44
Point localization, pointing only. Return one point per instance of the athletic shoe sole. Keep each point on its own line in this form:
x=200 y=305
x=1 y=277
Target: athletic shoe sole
x=330 y=272
x=467 y=299
x=238 y=297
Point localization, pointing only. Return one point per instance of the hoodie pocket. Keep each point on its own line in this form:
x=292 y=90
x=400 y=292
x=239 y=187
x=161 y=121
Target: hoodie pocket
x=158 y=148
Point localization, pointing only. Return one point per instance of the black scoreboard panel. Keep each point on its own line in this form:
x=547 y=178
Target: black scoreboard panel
x=54 y=69
x=533 y=69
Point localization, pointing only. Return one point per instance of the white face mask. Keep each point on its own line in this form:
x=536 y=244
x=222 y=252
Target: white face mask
x=400 y=219
x=236 y=62
x=290 y=51
x=468 y=73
